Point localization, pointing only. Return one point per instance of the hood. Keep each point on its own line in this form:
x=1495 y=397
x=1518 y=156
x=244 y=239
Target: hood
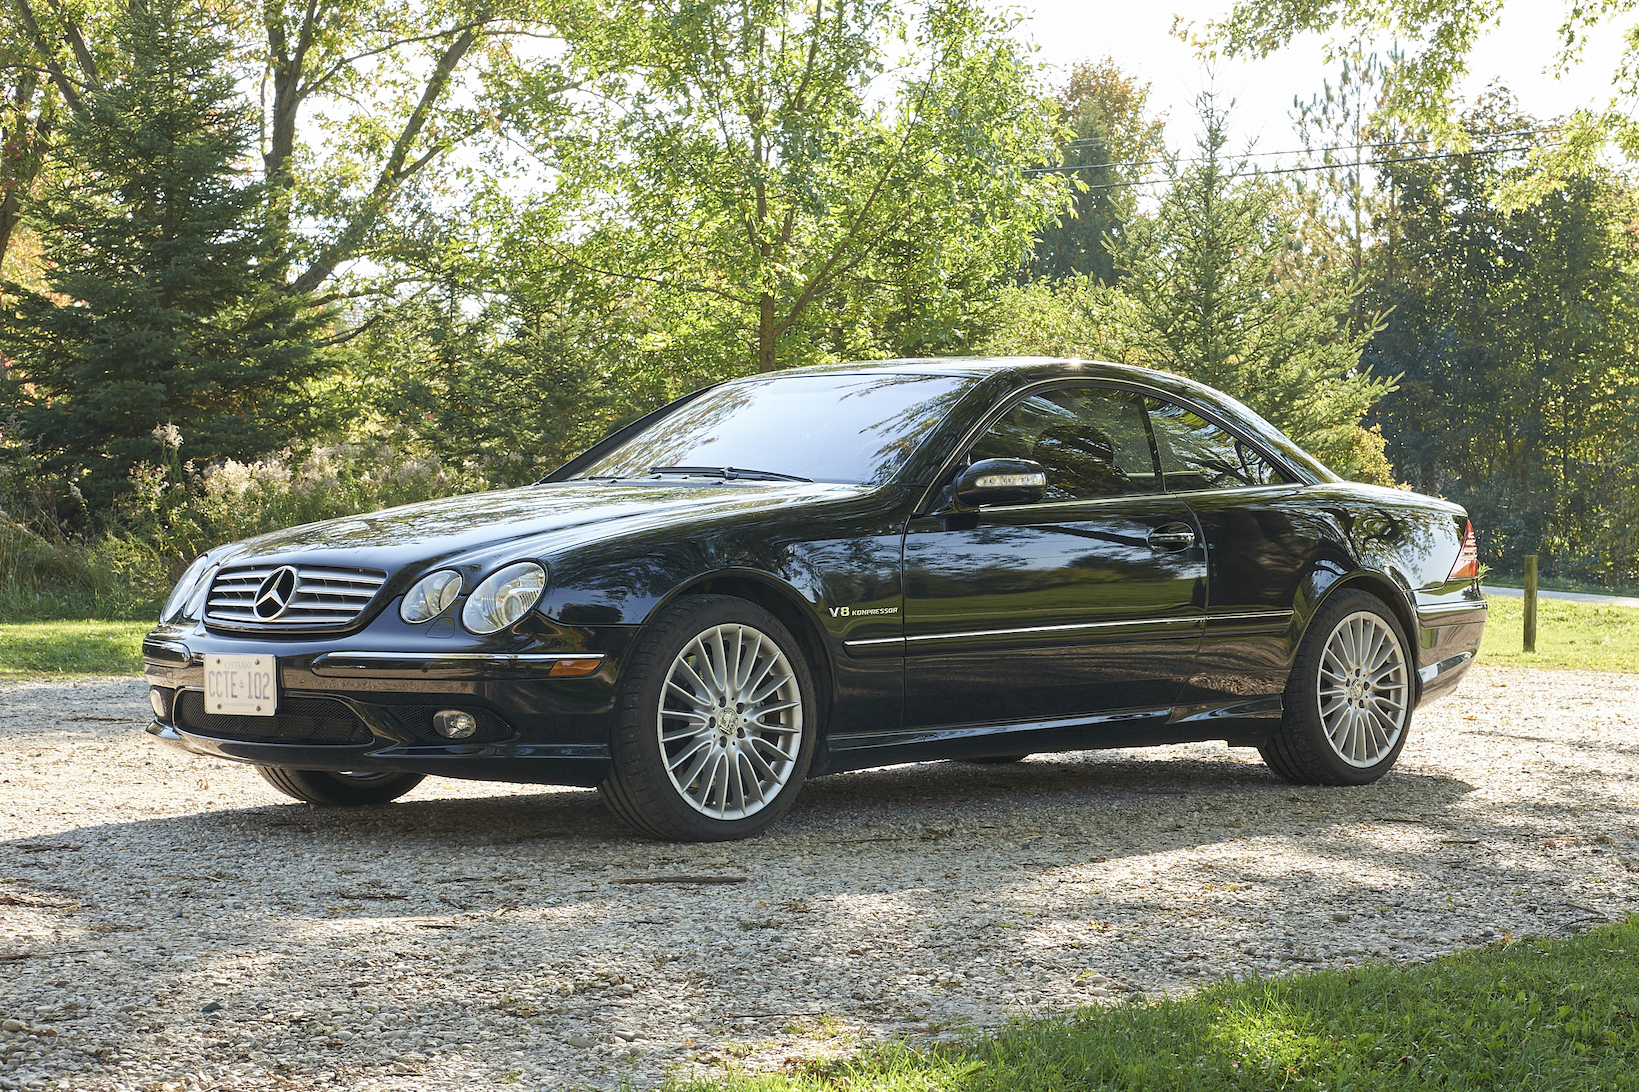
x=523 y=520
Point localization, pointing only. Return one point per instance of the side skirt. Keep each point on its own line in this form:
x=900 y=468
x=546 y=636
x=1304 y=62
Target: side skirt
x=1241 y=724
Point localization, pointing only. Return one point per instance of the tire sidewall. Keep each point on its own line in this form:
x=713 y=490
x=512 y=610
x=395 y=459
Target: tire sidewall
x=1302 y=695
x=637 y=751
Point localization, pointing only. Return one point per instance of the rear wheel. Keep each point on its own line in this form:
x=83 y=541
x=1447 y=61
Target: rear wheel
x=1348 y=702
x=346 y=789
x=715 y=725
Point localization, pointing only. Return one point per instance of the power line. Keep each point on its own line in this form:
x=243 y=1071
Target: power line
x=1295 y=151
x=1297 y=170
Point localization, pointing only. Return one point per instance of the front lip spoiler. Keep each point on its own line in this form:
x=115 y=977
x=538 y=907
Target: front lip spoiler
x=447 y=759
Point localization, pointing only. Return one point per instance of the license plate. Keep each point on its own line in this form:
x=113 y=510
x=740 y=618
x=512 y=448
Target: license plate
x=241 y=685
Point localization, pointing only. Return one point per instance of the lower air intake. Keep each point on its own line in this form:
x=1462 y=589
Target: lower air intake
x=310 y=721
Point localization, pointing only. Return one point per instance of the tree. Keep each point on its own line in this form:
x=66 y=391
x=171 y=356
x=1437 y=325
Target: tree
x=160 y=313
x=770 y=173
x=1514 y=330
x=1444 y=33
x=1113 y=142
x=1219 y=294
x=397 y=86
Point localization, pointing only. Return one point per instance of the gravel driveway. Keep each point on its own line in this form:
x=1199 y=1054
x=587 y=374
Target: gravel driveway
x=167 y=918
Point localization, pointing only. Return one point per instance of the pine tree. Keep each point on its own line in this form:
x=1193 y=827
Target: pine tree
x=1220 y=294
x=165 y=307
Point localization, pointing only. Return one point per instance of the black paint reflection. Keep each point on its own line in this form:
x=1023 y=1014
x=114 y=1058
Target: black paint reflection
x=1049 y=610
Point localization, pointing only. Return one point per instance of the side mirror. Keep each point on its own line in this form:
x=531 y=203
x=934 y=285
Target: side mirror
x=1001 y=481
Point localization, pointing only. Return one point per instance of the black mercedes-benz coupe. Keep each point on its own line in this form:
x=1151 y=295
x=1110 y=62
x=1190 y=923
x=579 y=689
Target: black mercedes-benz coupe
x=826 y=569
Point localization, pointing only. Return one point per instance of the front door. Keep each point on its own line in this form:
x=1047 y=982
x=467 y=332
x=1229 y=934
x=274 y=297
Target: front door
x=1086 y=604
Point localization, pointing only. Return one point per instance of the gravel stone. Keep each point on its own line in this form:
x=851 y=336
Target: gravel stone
x=473 y=933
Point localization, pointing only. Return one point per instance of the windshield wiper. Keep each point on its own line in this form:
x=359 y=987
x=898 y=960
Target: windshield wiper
x=729 y=472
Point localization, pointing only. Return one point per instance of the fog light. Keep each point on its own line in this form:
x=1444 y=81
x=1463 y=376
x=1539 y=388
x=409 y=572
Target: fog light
x=157 y=701
x=454 y=724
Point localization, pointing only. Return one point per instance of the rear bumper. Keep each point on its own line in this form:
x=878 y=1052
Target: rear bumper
x=1448 y=639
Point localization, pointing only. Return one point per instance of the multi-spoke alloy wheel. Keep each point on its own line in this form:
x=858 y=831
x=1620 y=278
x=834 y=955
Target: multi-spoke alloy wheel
x=730 y=721
x=1363 y=689
x=1347 y=707
x=715 y=723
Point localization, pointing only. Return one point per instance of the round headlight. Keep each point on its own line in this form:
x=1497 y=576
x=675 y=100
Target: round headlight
x=431 y=596
x=504 y=597
x=184 y=588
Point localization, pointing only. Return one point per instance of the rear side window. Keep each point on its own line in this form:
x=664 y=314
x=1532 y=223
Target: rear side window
x=1091 y=441
x=1197 y=454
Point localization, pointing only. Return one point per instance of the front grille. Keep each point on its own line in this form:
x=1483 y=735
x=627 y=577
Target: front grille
x=299 y=720
x=418 y=721
x=323 y=597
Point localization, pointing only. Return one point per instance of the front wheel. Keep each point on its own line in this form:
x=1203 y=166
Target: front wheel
x=715 y=726
x=1348 y=703
x=339 y=789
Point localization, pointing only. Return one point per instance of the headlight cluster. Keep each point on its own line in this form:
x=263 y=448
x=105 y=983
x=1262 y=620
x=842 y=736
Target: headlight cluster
x=430 y=597
x=503 y=597
x=188 y=597
x=499 y=600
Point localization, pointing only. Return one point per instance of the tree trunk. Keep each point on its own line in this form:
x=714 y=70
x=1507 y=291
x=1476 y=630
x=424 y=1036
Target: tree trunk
x=767 y=336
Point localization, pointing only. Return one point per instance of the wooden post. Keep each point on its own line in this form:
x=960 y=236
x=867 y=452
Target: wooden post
x=1530 y=602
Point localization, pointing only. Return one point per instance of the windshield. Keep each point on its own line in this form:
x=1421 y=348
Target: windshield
x=857 y=429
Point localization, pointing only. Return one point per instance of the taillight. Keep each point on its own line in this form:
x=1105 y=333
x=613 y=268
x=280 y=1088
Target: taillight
x=1468 y=558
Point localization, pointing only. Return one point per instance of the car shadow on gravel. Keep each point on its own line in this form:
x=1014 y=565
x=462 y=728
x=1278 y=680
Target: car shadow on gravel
x=1134 y=795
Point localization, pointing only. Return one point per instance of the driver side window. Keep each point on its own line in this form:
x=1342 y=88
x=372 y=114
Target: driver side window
x=1092 y=441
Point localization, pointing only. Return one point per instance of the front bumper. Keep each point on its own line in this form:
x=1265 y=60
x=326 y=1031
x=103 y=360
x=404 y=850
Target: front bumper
x=352 y=704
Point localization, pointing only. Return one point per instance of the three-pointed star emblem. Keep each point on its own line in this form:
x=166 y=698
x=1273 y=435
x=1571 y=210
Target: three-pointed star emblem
x=276 y=593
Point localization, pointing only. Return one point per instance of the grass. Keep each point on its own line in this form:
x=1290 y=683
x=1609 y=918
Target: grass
x=1539 y=1014
x=1585 y=636
x=34 y=649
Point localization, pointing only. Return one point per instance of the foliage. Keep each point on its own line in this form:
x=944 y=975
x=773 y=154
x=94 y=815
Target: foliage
x=362 y=102
x=780 y=175
x=1514 y=333
x=1218 y=293
x=1113 y=140
x=1536 y=1013
x=159 y=314
x=1441 y=36
x=1072 y=316
x=125 y=565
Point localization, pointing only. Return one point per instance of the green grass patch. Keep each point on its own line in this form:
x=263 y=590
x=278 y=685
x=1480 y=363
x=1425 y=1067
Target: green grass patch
x=1588 y=636
x=33 y=649
x=1541 y=1014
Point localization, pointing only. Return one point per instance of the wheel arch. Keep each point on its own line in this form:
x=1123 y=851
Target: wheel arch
x=783 y=602
x=1381 y=587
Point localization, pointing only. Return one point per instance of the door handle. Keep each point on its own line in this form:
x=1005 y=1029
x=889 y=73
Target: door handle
x=1171 y=537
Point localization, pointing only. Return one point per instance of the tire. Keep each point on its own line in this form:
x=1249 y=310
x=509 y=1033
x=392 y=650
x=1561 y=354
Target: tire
x=339 y=789
x=693 y=760
x=997 y=760
x=1348 y=703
